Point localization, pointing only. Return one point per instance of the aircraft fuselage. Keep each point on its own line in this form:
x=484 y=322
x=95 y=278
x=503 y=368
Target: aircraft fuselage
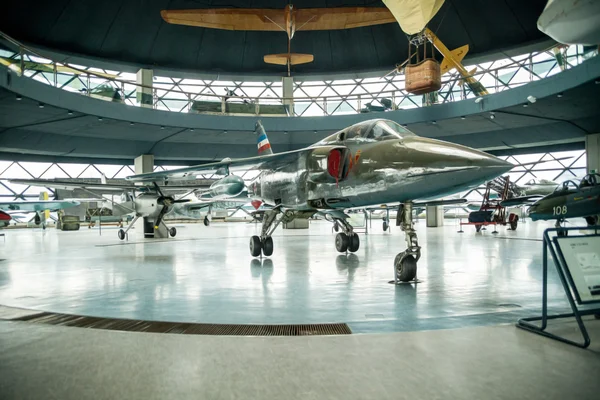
x=396 y=170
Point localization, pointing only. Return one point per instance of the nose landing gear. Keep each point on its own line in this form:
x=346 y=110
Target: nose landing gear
x=346 y=240
x=405 y=263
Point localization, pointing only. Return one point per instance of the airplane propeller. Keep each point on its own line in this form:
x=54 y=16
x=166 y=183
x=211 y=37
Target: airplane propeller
x=165 y=202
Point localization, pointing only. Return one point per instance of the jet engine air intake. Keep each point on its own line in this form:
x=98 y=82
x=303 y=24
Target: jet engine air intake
x=329 y=164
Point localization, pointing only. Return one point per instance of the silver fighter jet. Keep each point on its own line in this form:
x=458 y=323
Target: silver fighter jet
x=370 y=163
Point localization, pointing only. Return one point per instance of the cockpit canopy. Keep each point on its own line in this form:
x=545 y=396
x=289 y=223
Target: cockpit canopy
x=372 y=130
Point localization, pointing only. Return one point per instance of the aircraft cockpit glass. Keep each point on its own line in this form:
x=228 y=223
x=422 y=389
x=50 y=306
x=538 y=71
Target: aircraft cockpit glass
x=383 y=130
x=125 y=197
x=399 y=129
x=589 y=180
x=355 y=131
x=380 y=130
x=567 y=185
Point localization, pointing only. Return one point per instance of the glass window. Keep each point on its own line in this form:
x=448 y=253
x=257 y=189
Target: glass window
x=399 y=129
x=383 y=130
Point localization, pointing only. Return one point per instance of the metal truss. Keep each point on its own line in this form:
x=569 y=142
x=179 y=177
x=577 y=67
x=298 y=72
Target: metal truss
x=557 y=167
x=310 y=98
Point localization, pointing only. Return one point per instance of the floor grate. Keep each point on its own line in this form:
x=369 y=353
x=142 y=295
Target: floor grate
x=183 y=328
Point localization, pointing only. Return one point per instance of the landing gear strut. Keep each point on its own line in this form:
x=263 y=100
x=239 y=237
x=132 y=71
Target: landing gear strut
x=560 y=232
x=405 y=263
x=123 y=233
x=264 y=242
x=346 y=240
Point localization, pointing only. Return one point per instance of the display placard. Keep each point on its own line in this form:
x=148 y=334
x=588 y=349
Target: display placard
x=581 y=256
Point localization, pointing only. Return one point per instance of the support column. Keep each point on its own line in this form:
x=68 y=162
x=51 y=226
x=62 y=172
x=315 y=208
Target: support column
x=144 y=94
x=434 y=216
x=592 y=152
x=144 y=164
x=288 y=93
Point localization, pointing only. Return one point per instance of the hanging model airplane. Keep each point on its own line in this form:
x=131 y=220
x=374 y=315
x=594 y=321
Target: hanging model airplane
x=369 y=163
x=289 y=20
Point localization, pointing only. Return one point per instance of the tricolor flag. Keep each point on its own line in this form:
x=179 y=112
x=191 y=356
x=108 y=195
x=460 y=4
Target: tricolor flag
x=264 y=147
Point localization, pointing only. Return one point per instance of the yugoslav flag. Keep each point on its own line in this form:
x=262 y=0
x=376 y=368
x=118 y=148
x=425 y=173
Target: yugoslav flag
x=264 y=147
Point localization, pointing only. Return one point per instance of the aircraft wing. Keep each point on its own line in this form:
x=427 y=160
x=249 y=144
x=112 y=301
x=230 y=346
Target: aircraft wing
x=318 y=19
x=37 y=205
x=231 y=19
x=264 y=19
x=109 y=188
x=270 y=161
x=518 y=201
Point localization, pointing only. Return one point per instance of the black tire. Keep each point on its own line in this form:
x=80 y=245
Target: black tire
x=267 y=246
x=353 y=243
x=255 y=246
x=477 y=228
x=592 y=220
x=172 y=231
x=341 y=242
x=513 y=224
x=336 y=227
x=405 y=267
x=385 y=226
x=121 y=234
x=206 y=221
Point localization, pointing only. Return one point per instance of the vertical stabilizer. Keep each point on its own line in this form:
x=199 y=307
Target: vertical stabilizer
x=264 y=147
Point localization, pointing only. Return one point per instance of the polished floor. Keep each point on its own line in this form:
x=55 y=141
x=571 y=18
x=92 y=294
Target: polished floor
x=500 y=362
x=207 y=275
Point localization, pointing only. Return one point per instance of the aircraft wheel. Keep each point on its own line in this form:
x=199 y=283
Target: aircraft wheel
x=477 y=228
x=206 y=221
x=172 y=231
x=267 y=246
x=592 y=220
x=353 y=243
x=336 y=227
x=406 y=267
x=255 y=246
x=513 y=225
x=385 y=226
x=121 y=234
x=341 y=242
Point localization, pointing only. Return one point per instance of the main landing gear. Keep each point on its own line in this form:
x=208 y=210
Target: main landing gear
x=346 y=240
x=264 y=242
x=206 y=221
x=405 y=263
x=123 y=233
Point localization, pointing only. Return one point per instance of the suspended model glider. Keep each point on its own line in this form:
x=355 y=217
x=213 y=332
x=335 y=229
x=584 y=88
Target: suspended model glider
x=289 y=20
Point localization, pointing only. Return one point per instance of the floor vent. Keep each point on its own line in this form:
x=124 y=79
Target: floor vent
x=182 y=328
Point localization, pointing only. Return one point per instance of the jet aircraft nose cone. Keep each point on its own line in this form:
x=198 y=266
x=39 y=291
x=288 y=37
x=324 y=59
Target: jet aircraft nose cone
x=451 y=167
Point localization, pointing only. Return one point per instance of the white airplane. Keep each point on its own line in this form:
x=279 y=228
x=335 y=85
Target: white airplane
x=571 y=22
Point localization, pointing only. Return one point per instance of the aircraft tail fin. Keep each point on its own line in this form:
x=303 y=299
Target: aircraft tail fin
x=285 y=58
x=264 y=146
x=457 y=56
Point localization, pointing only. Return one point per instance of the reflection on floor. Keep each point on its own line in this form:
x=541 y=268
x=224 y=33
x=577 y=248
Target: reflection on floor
x=206 y=274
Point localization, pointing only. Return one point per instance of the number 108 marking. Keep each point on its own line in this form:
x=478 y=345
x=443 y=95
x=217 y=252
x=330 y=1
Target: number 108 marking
x=559 y=210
